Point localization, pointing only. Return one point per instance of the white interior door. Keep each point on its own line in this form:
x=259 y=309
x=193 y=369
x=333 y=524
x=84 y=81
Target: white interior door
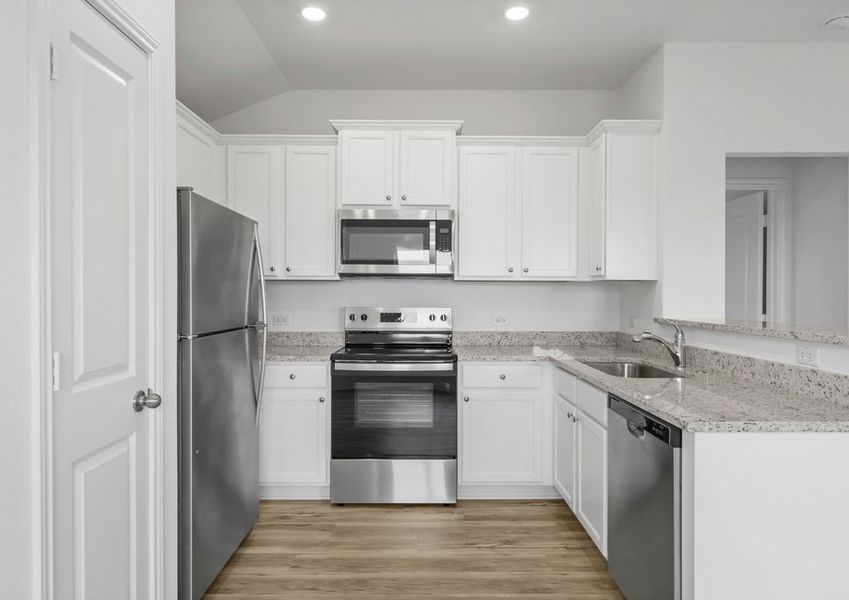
x=744 y=257
x=101 y=200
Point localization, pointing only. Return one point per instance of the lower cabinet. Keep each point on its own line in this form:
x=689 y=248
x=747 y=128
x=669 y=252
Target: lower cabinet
x=580 y=452
x=504 y=447
x=294 y=433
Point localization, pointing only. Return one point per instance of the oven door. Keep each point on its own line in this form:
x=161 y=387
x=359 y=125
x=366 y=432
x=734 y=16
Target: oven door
x=394 y=411
x=387 y=242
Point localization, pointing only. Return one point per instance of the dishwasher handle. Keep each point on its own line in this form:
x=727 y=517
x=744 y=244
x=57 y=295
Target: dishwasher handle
x=640 y=423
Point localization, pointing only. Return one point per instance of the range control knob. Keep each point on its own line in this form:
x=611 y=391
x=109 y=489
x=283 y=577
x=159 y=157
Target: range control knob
x=352 y=317
x=364 y=317
x=443 y=318
x=432 y=317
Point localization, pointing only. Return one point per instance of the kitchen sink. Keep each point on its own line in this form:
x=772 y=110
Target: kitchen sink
x=632 y=370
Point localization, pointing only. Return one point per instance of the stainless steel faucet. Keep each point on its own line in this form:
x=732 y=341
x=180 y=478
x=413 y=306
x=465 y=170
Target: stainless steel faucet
x=675 y=349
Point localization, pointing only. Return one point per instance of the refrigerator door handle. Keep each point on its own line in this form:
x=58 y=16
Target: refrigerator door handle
x=263 y=325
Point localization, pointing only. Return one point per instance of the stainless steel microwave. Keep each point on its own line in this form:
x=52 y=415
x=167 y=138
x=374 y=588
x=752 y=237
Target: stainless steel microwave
x=396 y=242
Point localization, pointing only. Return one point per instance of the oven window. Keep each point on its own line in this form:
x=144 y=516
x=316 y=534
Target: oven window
x=393 y=406
x=386 y=242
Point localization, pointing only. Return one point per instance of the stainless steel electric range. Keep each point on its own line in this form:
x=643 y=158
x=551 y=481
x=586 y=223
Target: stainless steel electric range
x=394 y=411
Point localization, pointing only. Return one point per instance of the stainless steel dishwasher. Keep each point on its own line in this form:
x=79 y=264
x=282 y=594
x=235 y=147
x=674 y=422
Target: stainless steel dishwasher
x=644 y=503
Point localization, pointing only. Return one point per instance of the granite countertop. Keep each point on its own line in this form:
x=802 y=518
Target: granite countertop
x=278 y=353
x=701 y=401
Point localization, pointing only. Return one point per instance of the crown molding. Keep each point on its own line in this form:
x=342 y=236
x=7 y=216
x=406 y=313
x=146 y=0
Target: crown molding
x=624 y=126
x=188 y=116
x=279 y=140
x=522 y=140
x=429 y=125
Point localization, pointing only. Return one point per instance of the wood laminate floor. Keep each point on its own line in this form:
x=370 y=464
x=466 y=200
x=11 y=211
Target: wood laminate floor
x=476 y=550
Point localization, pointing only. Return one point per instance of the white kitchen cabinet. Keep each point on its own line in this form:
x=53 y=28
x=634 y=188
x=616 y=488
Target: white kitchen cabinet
x=200 y=159
x=549 y=201
x=394 y=164
x=518 y=212
x=367 y=167
x=254 y=188
x=592 y=479
x=623 y=215
x=501 y=436
x=294 y=431
x=427 y=168
x=487 y=227
x=309 y=228
x=565 y=449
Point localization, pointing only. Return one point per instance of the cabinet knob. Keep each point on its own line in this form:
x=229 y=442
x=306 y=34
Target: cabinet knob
x=403 y=196
x=389 y=196
x=288 y=269
x=321 y=399
x=272 y=268
x=569 y=415
x=291 y=375
x=465 y=398
x=525 y=270
x=502 y=377
x=509 y=269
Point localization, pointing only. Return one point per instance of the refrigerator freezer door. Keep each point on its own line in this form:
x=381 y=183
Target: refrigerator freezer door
x=217 y=267
x=219 y=448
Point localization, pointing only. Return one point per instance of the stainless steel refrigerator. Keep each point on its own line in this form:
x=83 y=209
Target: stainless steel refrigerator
x=221 y=351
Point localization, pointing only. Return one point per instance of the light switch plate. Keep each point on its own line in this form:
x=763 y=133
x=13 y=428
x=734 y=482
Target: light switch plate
x=807 y=355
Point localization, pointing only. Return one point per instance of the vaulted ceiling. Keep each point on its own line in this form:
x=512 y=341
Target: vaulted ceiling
x=235 y=53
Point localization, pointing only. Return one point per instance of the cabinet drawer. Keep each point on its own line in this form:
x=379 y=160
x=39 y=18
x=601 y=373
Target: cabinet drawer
x=506 y=376
x=564 y=384
x=592 y=401
x=296 y=375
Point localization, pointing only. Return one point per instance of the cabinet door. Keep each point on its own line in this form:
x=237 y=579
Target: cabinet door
x=592 y=480
x=367 y=161
x=486 y=212
x=502 y=437
x=293 y=437
x=310 y=225
x=427 y=175
x=254 y=189
x=549 y=203
x=598 y=205
x=565 y=449
x=195 y=160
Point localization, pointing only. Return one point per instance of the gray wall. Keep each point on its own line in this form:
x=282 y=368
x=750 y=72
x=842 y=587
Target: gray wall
x=485 y=112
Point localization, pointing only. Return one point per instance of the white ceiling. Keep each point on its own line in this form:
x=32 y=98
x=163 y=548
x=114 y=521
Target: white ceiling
x=234 y=53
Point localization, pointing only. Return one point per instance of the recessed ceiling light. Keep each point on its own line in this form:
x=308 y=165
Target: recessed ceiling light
x=517 y=13
x=313 y=13
x=839 y=22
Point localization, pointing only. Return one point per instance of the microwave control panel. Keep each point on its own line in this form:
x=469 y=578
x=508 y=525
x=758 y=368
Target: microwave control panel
x=443 y=236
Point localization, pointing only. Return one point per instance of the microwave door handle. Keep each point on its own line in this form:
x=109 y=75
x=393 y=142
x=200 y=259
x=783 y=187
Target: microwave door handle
x=432 y=228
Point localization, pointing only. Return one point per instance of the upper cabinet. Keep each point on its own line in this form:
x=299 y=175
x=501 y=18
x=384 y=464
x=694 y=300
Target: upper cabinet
x=397 y=163
x=518 y=212
x=621 y=202
x=200 y=159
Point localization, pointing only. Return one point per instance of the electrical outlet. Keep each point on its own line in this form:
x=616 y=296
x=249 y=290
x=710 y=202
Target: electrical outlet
x=499 y=319
x=632 y=322
x=807 y=355
x=281 y=319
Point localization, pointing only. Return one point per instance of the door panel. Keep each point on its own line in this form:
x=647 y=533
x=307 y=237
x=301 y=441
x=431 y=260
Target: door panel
x=426 y=173
x=598 y=207
x=368 y=174
x=502 y=437
x=293 y=436
x=550 y=212
x=565 y=449
x=592 y=487
x=101 y=318
x=310 y=222
x=254 y=190
x=486 y=215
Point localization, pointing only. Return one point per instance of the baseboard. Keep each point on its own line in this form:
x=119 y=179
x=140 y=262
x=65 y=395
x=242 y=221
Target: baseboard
x=464 y=492
x=294 y=492
x=507 y=492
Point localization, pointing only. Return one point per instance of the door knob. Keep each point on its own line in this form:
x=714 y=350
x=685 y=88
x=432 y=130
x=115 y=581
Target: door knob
x=509 y=269
x=403 y=196
x=465 y=398
x=288 y=269
x=525 y=270
x=272 y=268
x=502 y=377
x=149 y=399
x=389 y=196
x=321 y=399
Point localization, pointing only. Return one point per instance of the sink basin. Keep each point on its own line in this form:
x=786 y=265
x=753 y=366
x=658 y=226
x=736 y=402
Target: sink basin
x=632 y=370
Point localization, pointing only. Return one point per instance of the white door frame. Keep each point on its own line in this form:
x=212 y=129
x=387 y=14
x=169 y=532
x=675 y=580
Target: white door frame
x=160 y=296
x=779 y=240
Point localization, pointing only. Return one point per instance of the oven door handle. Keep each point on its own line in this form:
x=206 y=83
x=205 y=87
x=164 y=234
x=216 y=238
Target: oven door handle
x=396 y=367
